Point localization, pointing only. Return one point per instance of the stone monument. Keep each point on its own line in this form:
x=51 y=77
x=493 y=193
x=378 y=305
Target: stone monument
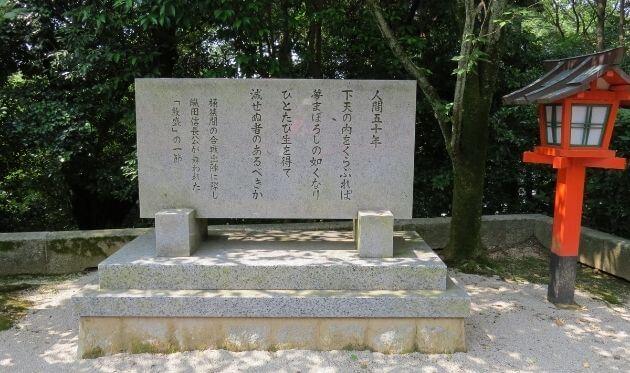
x=274 y=149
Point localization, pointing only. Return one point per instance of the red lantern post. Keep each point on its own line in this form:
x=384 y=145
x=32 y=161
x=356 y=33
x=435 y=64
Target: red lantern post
x=578 y=100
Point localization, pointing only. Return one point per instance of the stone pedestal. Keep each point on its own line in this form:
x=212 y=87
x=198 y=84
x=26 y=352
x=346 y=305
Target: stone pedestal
x=269 y=290
x=374 y=234
x=178 y=232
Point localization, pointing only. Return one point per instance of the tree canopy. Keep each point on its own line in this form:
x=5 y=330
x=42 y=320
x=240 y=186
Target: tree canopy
x=67 y=137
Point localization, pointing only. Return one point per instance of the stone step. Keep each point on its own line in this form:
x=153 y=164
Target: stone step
x=450 y=303
x=274 y=260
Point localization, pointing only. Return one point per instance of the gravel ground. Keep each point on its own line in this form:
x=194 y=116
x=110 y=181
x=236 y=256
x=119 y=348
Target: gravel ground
x=511 y=328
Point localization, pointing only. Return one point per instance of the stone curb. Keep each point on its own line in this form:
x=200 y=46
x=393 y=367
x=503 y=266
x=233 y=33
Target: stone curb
x=60 y=252
x=74 y=251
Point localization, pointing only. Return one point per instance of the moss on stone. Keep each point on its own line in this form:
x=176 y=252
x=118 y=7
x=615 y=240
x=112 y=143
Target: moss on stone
x=7 y=246
x=138 y=347
x=143 y=347
x=93 y=353
x=78 y=246
x=12 y=306
x=356 y=347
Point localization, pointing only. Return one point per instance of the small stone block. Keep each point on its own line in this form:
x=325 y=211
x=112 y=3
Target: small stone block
x=178 y=232
x=374 y=234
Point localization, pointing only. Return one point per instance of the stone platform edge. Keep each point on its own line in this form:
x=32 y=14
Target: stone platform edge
x=135 y=267
x=453 y=302
x=74 y=251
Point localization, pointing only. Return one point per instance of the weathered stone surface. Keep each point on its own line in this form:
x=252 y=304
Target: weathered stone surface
x=276 y=260
x=100 y=336
x=74 y=251
x=178 y=232
x=452 y=302
x=246 y=334
x=250 y=148
x=543 y=227
x=444 y=335
x=375 y=234
x=23 y=253
x=343 y=334
x=605 y=251
x=392 y=336
x=59 y=252
x=300 y=334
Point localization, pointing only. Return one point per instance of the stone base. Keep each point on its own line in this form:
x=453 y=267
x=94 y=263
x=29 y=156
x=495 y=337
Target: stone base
x=109 y=335
x=306 y=260
x=269 y=290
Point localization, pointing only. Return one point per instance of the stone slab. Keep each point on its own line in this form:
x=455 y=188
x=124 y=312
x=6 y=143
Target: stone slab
x=452 y=302
x=100 y=336
x=275 y=148
x=276 y=260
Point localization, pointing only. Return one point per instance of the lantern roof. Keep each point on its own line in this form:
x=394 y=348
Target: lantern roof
x=569 y=76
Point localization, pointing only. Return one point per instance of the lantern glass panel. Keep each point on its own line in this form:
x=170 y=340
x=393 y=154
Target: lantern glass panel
x=553 y=121
x=594 y=136
x=600 y=114
x=577 y=134
x=587 y=124
x=578 y=113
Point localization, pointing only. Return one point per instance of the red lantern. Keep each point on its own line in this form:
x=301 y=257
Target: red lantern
x=577 y=102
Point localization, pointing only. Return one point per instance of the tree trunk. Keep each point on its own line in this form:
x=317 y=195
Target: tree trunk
x=469 y=164
x=165 y=41
x=622 y=22
x=576 y=14
x=314 y=63
x=556 y=17
x=284 y=55
x=601 y=21
x=465 y=233
x=465 y=131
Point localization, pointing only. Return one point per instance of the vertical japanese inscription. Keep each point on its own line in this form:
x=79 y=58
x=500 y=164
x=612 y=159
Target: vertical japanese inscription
x=316 y=150
x=194 y=144
x=213 y=130
x=176 y=125
x=257 y=126
x=346 y=144
x=377 y=122
x=287 y=122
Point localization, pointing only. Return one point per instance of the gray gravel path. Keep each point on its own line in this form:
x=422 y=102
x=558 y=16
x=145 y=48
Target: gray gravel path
x=512 y=328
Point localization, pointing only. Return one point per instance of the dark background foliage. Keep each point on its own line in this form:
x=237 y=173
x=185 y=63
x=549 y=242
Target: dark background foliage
x=67 y=130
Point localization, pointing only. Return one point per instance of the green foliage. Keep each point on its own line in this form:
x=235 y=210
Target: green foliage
x=37 y=128
x=12 y=306
x=67 y=122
